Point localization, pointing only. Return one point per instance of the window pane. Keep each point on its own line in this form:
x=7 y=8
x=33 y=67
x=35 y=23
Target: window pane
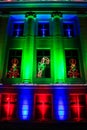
x=43 y=107
x=8 y=106
x=18 y=29
x=68 y=29
x=43 y=64
x=43 y=29
x=77 y=107
x=72 y=64
x=14 y=64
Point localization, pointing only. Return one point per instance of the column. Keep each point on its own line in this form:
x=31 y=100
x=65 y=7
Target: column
x=58 y=50
x=29 y=49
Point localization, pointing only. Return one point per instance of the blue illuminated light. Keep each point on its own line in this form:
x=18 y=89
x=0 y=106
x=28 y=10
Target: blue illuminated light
x=69 y=16
x=25 y=104
x=60 y=104
x=17 y=17
x=69 y=31
x=44 y=16
x=43 y=31
x=61 y=111
x=25 y=109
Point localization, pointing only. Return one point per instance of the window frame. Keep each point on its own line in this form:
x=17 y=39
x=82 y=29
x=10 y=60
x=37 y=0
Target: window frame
x=45 y=102
x=69 y=22
x=9 y=65
x=77 y=106
x=49 y=65
x=48 y=29
x=78 y=64
x=15 y=30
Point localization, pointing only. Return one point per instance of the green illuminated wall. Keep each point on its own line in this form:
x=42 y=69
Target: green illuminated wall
x=3 y=43
x=30 y=43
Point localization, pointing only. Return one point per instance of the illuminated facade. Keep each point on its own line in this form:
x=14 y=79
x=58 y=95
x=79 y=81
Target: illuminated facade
x=43 y=60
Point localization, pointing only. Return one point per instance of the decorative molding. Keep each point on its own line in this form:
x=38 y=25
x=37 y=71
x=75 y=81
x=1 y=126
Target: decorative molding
x=56 y=14
x=32 y=14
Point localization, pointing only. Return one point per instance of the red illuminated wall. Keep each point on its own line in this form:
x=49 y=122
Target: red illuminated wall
x=8 y=106
x=0 y=106
x=42 y=107
x=78 y=107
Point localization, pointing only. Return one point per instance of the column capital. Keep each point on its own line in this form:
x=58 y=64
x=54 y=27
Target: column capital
x=56 y=14
x=30 y=14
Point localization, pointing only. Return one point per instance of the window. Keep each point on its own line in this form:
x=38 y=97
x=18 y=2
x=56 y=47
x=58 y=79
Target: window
x=43 y=63
x=18 y=29
x=68 y=30
x=43 y=29
x=43 y=107
x=8 y=106
x=14 y=63
x=72 y=64
x=77 y=107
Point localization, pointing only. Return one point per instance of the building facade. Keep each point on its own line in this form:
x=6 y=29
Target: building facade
x=43 y=60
